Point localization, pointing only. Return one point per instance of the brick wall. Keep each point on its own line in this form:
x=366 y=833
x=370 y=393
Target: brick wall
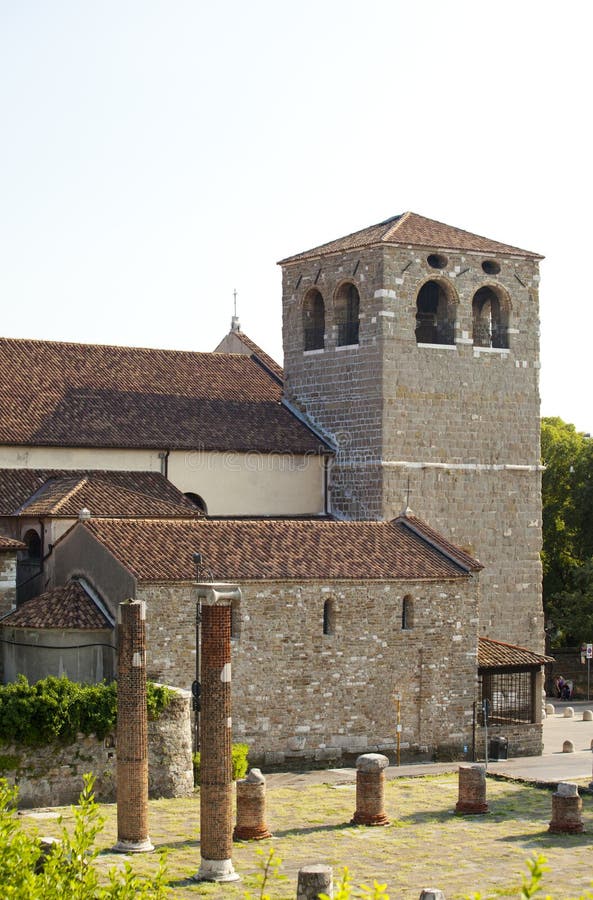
x=301 y=694
x=453 y=430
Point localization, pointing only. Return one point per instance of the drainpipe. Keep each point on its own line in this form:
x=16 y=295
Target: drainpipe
x=327 y=466
x=164 y=458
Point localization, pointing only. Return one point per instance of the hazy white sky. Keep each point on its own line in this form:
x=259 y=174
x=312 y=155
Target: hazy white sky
x=156 y=155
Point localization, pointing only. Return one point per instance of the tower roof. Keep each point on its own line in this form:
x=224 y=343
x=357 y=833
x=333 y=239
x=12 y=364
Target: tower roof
x=410 y=229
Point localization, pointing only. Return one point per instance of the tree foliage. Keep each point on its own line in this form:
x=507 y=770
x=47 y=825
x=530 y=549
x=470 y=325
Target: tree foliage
x=567 y=493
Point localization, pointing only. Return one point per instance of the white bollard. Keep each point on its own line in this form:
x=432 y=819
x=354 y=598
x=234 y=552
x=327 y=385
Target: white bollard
x=587 y=715
x=550 y=709
x=568 y=747
x=568 y=712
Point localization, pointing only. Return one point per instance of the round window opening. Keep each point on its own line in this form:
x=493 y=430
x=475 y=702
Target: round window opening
x=437 y=261
x=491 y=267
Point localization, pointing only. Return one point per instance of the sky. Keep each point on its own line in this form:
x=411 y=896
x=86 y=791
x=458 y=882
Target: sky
x=156 y=155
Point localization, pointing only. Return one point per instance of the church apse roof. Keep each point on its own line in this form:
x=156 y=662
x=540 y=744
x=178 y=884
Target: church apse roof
x=70 y=606
x=10 y=545
x=274 y=549
x=86 y=395
x=411 y=229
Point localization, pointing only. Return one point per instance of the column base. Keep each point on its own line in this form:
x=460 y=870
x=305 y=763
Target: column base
x=243 y=833
x=464 y=808
x=362 y=819
x=216 y=870
x=133 y=846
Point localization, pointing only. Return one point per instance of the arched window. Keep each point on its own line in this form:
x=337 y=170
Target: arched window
x=347 y=308
x=329 y=617
x=407 y=613
x=314 y=321
x=435 y=315
x=197 y=501
x=491 y=319
x=33 y=542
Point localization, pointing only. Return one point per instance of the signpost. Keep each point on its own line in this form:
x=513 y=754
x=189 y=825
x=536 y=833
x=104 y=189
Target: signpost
x=589 y=655
x=398 y=728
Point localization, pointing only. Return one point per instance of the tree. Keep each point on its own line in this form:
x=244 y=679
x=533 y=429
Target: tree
x=567 y=495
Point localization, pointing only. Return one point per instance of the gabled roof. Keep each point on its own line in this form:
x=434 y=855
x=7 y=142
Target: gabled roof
x=460 y=556
x=87 y=395
x=410 y=229
x=10 y=545
x=61 y=493
x=236 y=341
x=71 y=606
x=496 y=655
x=273 y=549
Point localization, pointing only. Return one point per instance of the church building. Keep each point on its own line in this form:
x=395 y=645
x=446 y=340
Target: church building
x=377 y=499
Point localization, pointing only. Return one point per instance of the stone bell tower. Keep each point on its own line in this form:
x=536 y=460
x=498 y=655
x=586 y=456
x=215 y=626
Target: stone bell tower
x=415 y=346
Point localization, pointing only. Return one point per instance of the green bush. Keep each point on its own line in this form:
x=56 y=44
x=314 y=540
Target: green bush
x=57 y=709
x=68 y=870
x=239 y=754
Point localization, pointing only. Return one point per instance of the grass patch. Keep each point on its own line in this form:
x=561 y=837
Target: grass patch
x=426 y=844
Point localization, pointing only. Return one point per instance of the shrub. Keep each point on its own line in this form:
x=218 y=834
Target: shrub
x=67 y=870
x=57 y=709
x=240 y=763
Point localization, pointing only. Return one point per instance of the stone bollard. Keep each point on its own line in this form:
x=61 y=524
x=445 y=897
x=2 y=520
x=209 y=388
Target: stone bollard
x=550 y=709
x=568 y=747
x=251 y=808
x=472 y=790
x=314 y=880
x=569 y=712
x=431 y=894
x=587 y=715
x=567 y=809
x=370 y=790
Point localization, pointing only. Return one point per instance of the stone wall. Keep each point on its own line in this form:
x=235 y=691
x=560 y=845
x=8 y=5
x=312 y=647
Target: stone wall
x=7 y=582
x=523 y=740
x=52 y=775
x=450 y=430
x=300 y=694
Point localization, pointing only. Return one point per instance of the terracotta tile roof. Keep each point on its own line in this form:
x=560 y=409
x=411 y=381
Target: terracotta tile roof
x=496 y=654
x=9 y=544
x=64 y=607
x=47 y=492
x=275 y=549
x=411 y=229
x=84 y=395
x=419 y=526
x=256 y=351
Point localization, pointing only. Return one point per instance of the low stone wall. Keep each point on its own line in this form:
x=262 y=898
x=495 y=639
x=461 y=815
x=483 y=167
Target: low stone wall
x=52 y=775
x=523 y=740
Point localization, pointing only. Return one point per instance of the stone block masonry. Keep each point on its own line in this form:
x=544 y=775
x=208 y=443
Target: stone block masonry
x=451 y=430
x=300 y=694
x=51 y=775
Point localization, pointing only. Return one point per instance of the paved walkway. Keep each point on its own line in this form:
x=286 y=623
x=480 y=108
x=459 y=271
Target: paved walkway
x=553 y=766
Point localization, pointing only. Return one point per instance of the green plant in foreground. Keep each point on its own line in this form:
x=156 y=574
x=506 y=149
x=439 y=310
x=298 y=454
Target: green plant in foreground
x=68 y=870
x=269 y=869
x=344 y=890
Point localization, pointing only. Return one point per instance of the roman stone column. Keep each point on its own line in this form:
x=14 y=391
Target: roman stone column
x=216 y=771
x=251 y=808
x=472 y=790
x=132 y=730
x=567 y=808
x=370 y=790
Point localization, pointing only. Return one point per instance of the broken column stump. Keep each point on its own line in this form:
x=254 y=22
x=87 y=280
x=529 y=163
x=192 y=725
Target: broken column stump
x=314 y=880
x=567 y=809
x=251 y=808
x=370 y=790
x=472 y=791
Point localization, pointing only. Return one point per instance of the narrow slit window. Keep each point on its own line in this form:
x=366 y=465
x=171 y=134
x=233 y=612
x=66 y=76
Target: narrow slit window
x=329 y=617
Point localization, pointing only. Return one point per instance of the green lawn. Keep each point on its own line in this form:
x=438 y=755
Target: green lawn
x=425 y=845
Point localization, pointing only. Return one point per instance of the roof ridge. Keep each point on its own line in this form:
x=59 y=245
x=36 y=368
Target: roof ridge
x=69 y=494
x=399 y=221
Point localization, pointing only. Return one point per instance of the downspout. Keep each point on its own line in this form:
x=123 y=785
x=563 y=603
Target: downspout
x=164 y=458
x=327 y=467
